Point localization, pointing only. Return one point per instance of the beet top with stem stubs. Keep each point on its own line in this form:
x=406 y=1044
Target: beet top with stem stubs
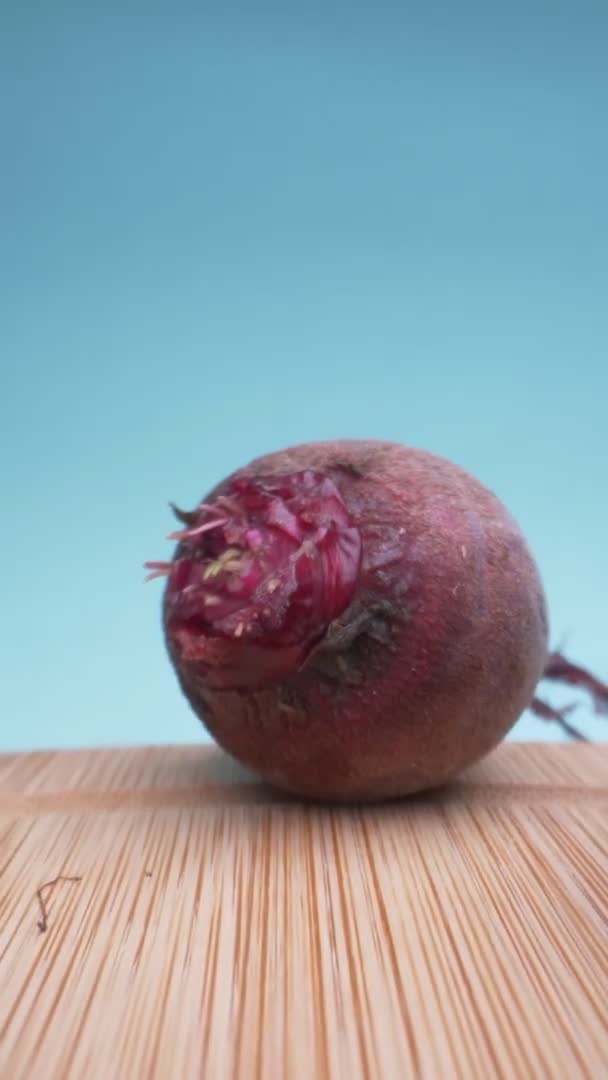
x=357 y=620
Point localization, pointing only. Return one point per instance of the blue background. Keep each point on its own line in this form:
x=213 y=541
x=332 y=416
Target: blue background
x=220 y=235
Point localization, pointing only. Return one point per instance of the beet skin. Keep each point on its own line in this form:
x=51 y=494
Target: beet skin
x=354 y=620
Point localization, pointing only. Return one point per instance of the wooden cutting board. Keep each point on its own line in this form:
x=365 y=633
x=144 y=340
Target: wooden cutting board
x=217 y=930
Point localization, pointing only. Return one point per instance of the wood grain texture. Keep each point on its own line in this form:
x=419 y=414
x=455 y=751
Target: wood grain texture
x=219 y=930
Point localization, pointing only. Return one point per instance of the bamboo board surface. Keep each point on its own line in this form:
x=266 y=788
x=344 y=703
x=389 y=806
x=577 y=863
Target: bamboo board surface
x=218 y=930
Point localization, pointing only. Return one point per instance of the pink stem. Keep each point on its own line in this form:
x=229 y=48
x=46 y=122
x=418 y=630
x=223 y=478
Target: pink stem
x=186 y=534
x=158 y=569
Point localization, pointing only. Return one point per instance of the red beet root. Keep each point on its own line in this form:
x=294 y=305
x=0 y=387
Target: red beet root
x=357 y=620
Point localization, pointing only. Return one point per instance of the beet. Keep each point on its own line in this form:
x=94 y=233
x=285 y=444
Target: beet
x=356 y=620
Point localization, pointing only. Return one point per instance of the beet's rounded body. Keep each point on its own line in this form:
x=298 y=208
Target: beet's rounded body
x=434 y=641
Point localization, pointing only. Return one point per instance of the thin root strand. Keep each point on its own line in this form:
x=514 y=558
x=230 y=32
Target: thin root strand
x=558 y=716
x=559 y=669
